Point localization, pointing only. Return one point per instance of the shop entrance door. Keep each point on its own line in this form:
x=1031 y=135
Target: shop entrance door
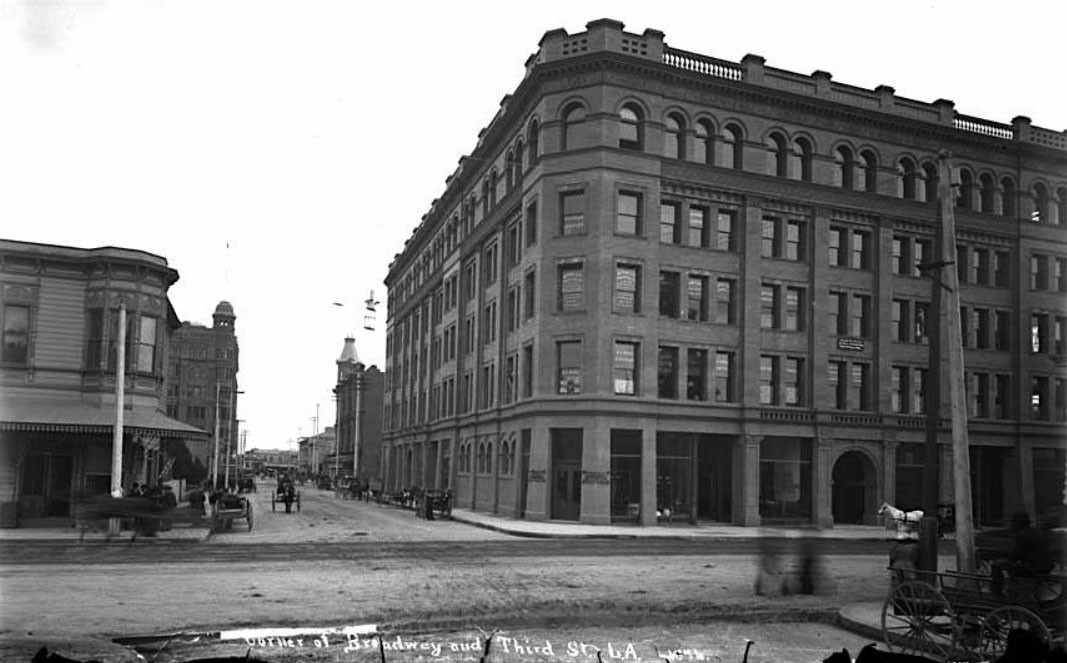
x=849 y=489
x=46 y=486
x=566 y=473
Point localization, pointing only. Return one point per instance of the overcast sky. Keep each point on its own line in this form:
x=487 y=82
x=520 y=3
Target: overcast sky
x=310 y=137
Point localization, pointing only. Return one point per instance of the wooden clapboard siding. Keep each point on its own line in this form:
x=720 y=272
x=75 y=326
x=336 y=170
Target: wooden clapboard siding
x=59 y=334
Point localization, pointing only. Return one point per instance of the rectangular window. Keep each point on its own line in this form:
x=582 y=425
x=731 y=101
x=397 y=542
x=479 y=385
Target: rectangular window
x=1060 y=401
x=794 y=381
x=511 y=379
x=489 y=323
x=628 y=218
x=697 y=298
x=625 y=368
x=514 y=244
x=469 y=334
x=17 y=334
x=918 y=390
x=1039 y=272
x=861 y=250
x=669 y=214
x=768 y=380
x=1002 y=330
x=898 y=389
x=488 y=386
x=1002 y=269
x=1059 y=329
x=1039 y=332
x=861 y=386
x=980 y=266
x=627 y=288
x=978 y=395
x=696 y=376
x=1059 y=275
x=922 y=254
x=470 y=280
x=571 y=287
x=514 y=309
x=1001 y=396
x=724 y=377
x=698 y=226
x=667 y=379
x=900 y=259
x=980 y=327
x=146 y=346
x=837 y=312
x=962 y=253
x=726 y=301
x=569 y=361
x=1039 y=398
x=770 y=240
x=838 y=379
x=528 y=295
x=669 y=283
x=531 y=224
x=836 y=247
x=572 y=212
x=922 y=312
x=490 y=265
x=527 y=371
x=899 y=323
x=726 y=238
x=768 y=312
x=794 y=309
x=861 y=316
x=796 y=240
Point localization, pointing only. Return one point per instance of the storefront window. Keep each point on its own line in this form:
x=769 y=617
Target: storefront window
x=785 y=479
x=625 y=474
x=673 y=473
x=910 y=476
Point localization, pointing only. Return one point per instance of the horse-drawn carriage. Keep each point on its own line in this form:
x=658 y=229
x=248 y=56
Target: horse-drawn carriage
x=286 y=494
x=434 y=502
x=226 y=508
x=967 y=616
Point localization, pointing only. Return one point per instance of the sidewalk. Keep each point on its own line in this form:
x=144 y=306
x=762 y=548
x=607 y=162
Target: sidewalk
x=558 y=529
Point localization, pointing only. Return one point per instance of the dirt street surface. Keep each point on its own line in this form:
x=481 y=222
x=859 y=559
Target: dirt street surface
x=701 y=602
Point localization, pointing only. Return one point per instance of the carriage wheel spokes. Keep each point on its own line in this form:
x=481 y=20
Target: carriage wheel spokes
x=997 y=625
x=917 y=619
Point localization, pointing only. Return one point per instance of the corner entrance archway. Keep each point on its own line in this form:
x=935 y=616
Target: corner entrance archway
x=854 y=494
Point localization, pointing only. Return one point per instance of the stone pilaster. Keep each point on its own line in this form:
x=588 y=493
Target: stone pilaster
x=822 y=482
x=596 y=475
x=537 y=495
x=746 y=476
x=648 y=472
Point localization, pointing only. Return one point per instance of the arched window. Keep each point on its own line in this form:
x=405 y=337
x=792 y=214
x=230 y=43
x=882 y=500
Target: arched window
x=573 y=116
x=843 y=166
x=630 y=131
x=778 y=155
x=732 y=154
x=868 y=166
x=702 y=148
x=494 y=180
x=987 y=193
x=488 y=458
x=801 y=156
x=535 y=139
x=480 y=467
x=509 y=171
x=518 y=162
x=674 y=137
x=502 y=459
x=1007 y=193
x=907 y=179
x=966 y=190
x=930 y=179
x=485 y=198
x=1041 y=204
x=1060 y=209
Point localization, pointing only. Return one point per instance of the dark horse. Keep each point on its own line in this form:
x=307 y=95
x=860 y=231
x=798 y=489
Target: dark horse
x=287 y=494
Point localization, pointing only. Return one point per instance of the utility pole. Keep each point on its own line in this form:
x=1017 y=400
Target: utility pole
x=120 y=405
x=950 y=299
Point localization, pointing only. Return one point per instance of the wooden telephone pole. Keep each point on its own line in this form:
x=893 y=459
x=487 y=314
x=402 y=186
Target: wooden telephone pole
x=947 y=339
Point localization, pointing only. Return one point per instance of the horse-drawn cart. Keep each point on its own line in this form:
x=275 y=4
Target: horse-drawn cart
x=286 y=494
x=227 y=508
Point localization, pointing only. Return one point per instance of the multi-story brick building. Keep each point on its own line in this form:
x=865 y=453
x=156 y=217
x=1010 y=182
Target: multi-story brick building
x=664 y=281
x=359 y=416
x=202 y=382
x=60 y=309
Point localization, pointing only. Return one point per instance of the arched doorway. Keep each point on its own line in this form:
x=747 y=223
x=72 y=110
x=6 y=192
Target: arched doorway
x=854 y=491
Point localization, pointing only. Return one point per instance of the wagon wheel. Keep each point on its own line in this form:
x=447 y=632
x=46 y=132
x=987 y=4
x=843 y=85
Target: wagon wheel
x=997 y=625
x=917 y=618
x=248 y=516
x=273 y=500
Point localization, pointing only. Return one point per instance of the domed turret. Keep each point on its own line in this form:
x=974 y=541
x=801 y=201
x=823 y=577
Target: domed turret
x=223 y=316
x=348 y=362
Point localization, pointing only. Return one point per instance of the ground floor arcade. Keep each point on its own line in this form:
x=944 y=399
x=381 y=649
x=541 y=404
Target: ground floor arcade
x=607 y=470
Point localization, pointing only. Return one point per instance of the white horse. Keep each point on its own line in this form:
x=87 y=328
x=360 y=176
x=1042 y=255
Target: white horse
x=907 y=521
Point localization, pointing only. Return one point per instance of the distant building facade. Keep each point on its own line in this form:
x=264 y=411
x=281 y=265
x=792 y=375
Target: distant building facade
x=60 y=309
x=202 y=382
x=359 y=392
x=664 y=282
x=264 y=460
x=315 y=453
